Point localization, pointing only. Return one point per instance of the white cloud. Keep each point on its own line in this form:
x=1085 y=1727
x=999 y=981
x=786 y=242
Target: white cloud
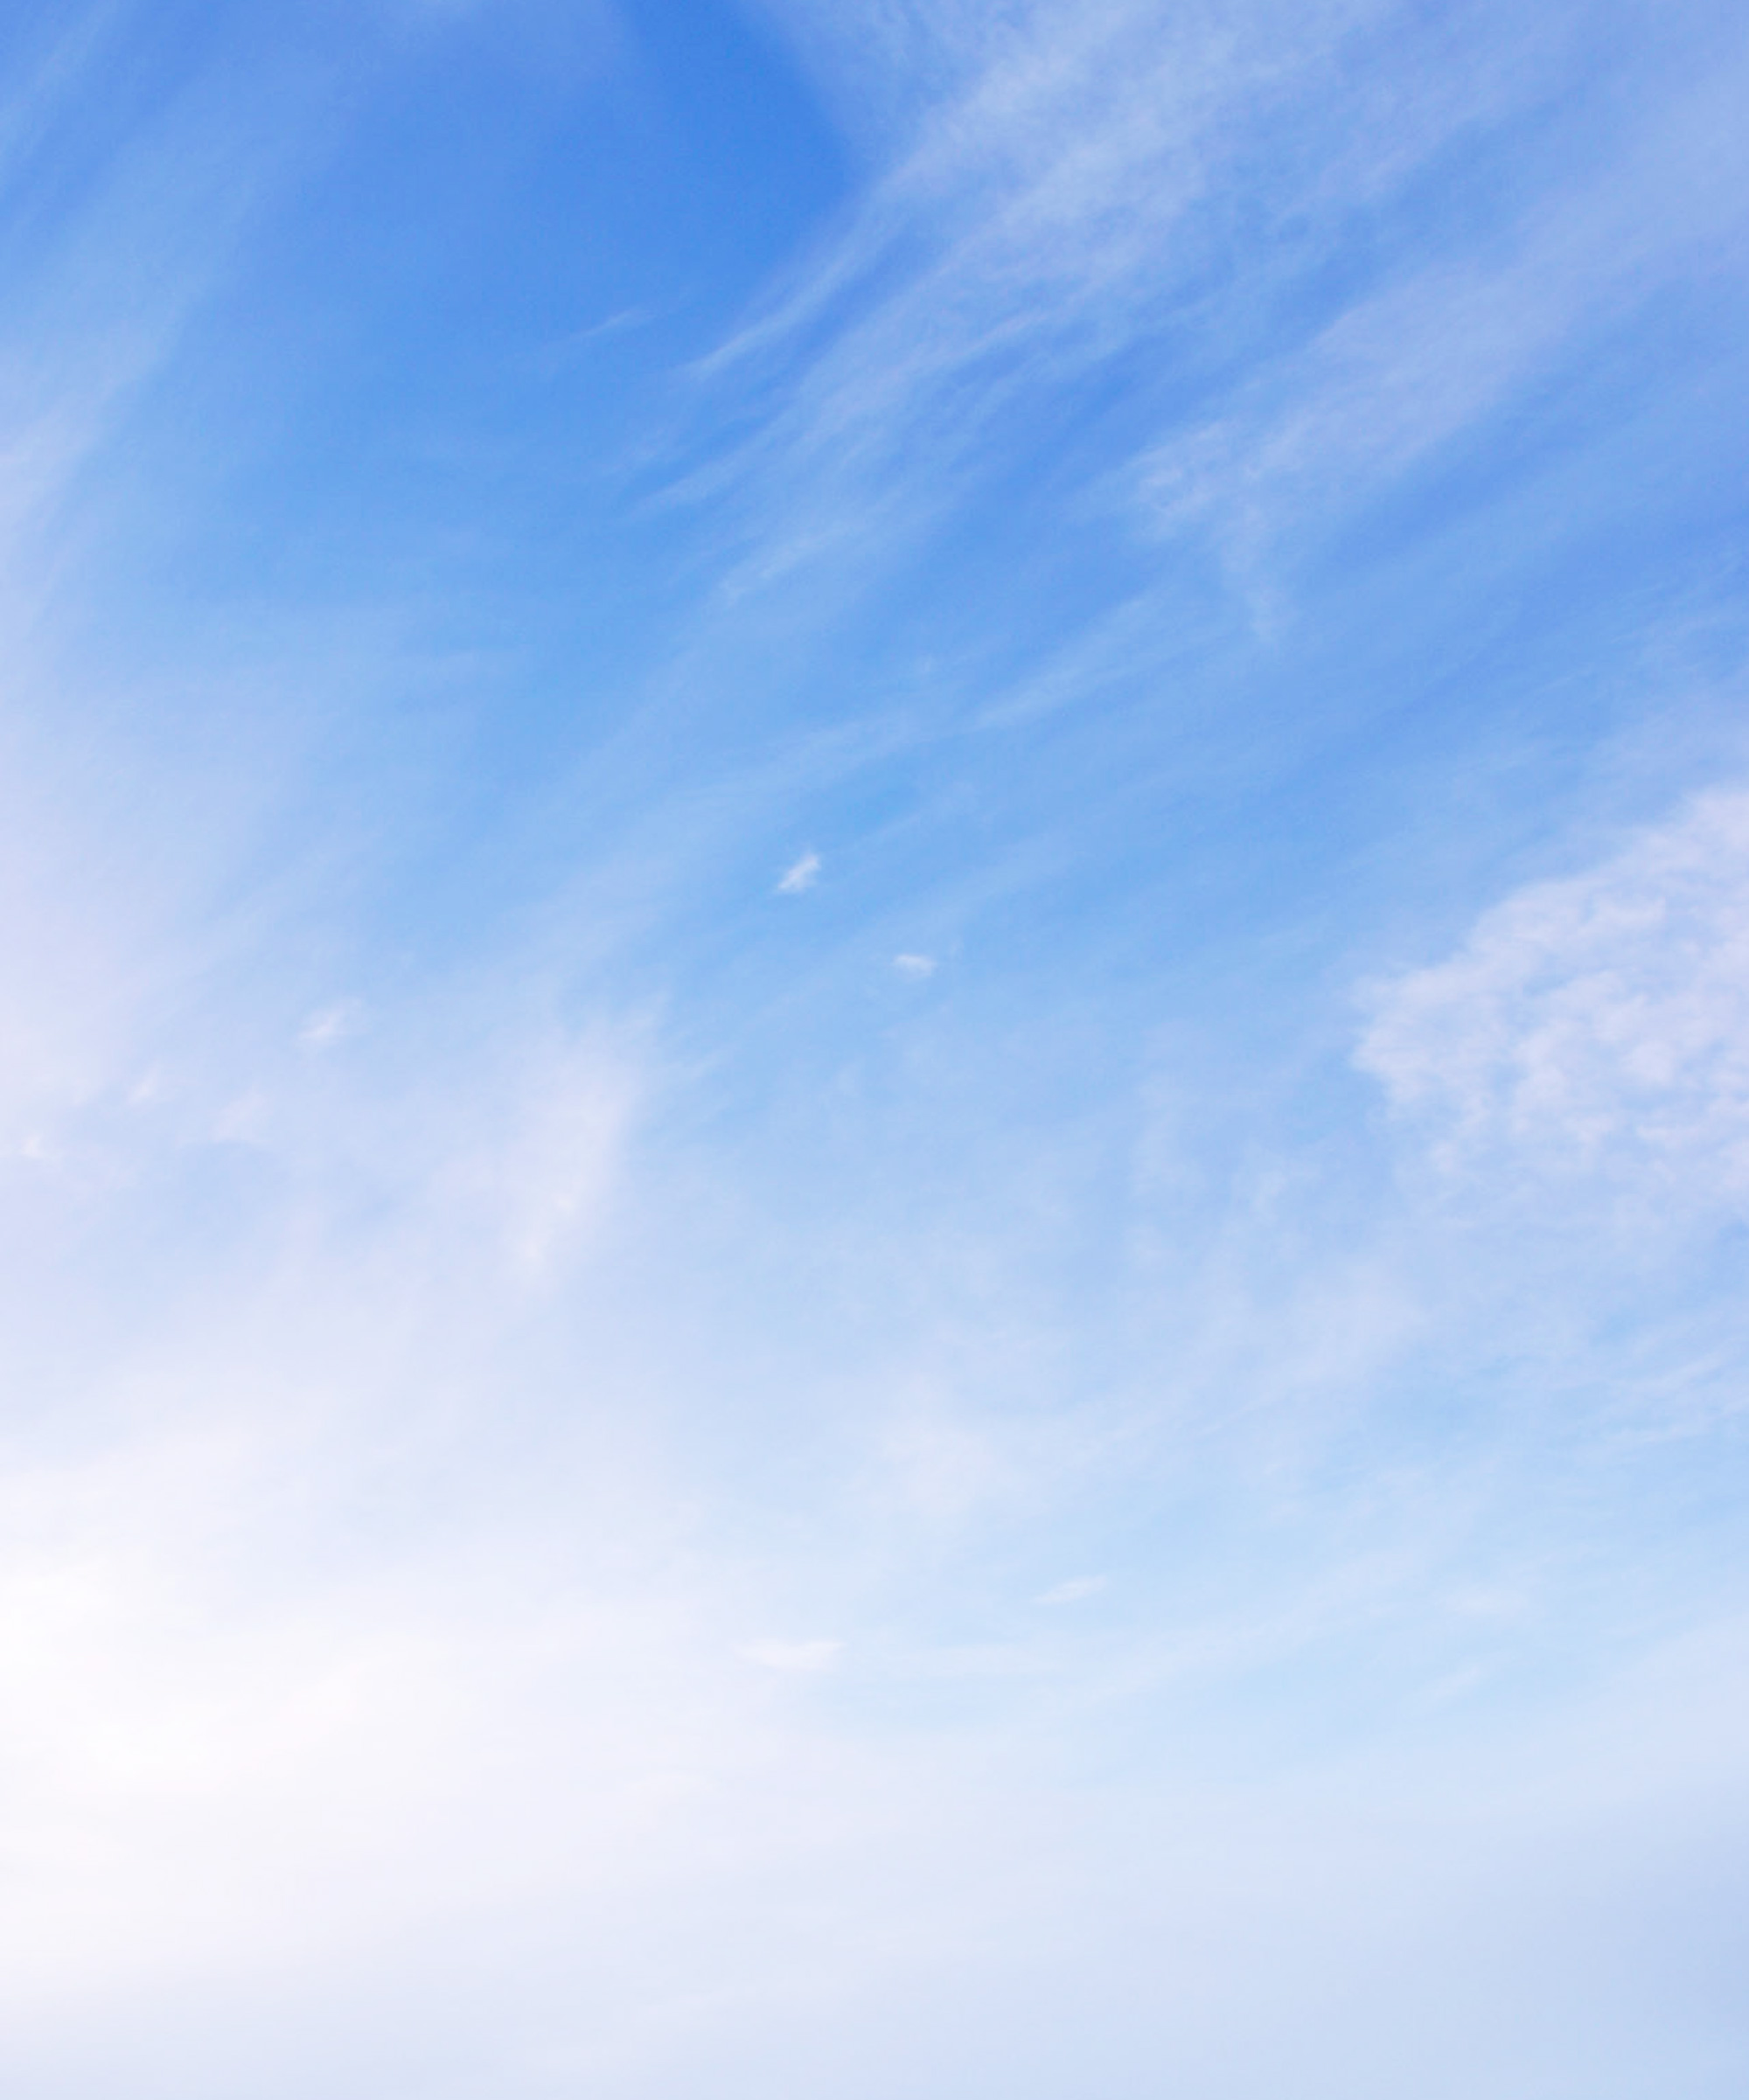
x=802 y=875
x=1074 y=1590
x=914 y=966
x=1597 y=1023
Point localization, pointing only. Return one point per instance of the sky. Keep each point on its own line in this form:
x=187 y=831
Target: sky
x=874 y=1107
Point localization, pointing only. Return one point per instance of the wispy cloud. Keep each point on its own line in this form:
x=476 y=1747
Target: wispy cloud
x=1071 y=198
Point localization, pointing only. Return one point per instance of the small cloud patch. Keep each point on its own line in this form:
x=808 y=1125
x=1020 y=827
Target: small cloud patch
x=802 y=876
x=1595 y=1023
x=914 y=966
x=331 y=1025
x=794 y=1659
x=1074 y=1590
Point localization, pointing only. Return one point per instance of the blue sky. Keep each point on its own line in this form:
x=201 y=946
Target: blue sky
x=875 y=1126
